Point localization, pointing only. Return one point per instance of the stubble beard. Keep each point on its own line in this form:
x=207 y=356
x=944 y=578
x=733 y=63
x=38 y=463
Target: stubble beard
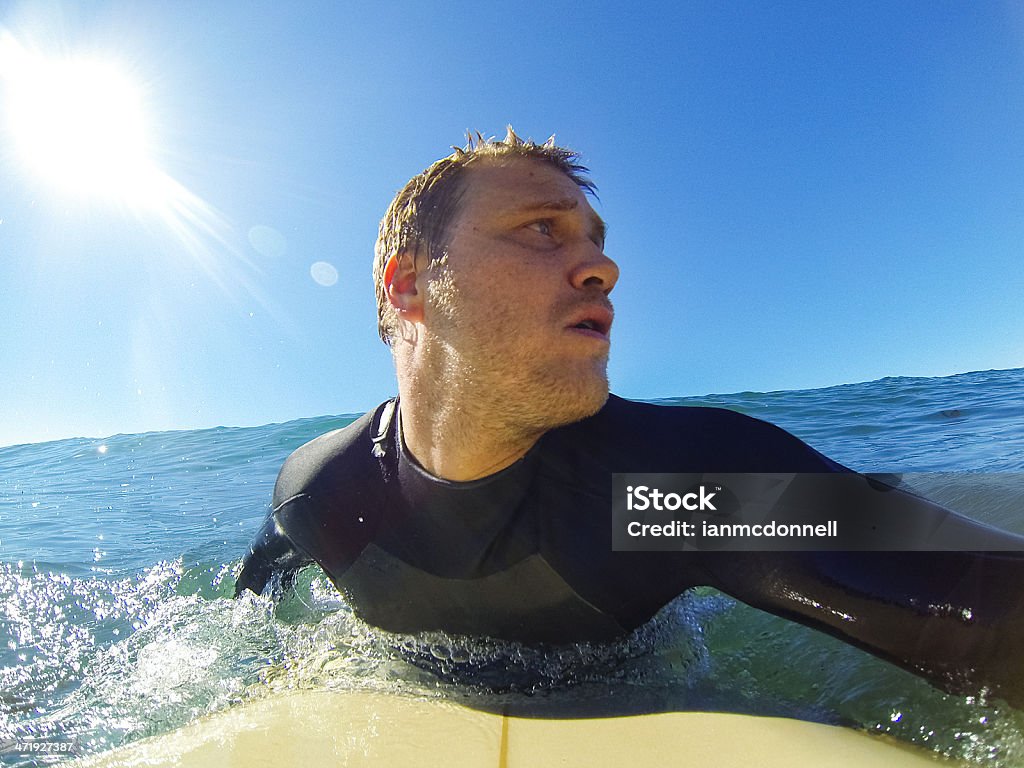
x=518 y=387
x=566 y=396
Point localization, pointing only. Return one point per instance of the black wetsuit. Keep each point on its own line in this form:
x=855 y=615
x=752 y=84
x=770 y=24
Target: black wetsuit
x=526 y=554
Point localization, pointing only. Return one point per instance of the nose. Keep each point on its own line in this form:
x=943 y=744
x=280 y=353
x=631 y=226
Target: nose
x=595 y=271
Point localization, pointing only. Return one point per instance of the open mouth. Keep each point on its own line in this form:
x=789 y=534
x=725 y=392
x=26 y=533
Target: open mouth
x=597 y=321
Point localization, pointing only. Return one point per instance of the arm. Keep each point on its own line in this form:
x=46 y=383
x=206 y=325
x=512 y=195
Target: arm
x=271 y=555
x=321 y=508
x=955 y=618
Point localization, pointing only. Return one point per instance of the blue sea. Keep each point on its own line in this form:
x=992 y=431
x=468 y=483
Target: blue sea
x=118 y=558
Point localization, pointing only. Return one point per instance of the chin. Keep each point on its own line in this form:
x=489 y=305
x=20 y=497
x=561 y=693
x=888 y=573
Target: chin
x=593 y=398
x=572 y=399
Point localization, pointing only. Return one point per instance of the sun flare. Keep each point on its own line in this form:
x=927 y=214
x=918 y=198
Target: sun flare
x=79 y=124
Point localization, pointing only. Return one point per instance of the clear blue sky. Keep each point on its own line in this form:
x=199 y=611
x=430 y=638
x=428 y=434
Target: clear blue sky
x=799 y=194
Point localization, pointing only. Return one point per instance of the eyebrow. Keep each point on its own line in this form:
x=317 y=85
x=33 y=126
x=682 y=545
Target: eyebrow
x=598 y=228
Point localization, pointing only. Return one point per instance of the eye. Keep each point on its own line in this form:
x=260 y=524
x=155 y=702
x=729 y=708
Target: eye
x=543 y=226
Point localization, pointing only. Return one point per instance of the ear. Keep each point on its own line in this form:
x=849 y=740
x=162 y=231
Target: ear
x=400 y=283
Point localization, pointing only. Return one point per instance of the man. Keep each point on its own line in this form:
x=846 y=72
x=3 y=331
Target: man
x=478 y=502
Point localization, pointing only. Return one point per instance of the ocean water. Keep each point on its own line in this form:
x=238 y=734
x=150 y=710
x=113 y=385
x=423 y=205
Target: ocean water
x=118 y=557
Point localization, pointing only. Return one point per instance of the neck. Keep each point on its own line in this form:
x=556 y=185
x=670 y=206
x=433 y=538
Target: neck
x=459 y=431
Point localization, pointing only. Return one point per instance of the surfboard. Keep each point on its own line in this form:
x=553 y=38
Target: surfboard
x=325 y=727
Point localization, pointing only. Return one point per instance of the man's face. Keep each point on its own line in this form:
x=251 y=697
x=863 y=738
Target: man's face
x=520 y=299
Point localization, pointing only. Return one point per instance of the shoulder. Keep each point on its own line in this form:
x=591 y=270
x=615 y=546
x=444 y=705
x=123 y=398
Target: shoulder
x=330 y=492
x=651 y=414
x=318 y=467
x=651 y=437
x=631 y=417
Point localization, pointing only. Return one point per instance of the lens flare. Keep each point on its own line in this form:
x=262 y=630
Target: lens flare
x=79 y=127
x=79 y=124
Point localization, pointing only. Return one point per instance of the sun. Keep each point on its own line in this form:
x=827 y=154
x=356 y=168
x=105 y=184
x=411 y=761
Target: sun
x=77 y=128
x=79 y=124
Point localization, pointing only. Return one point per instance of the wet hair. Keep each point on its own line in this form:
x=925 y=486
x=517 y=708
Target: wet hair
x=417 y=219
